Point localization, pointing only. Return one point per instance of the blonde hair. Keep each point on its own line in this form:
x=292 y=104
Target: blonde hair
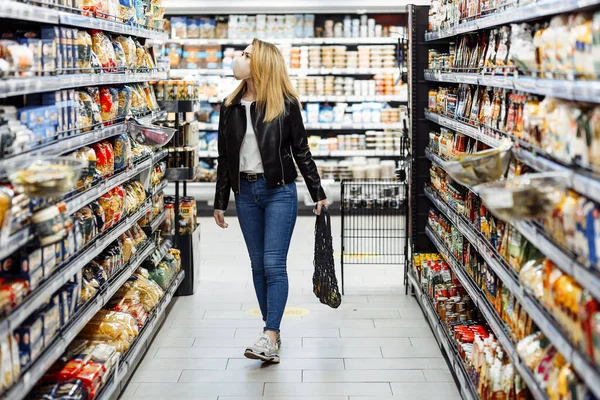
x=271 y=80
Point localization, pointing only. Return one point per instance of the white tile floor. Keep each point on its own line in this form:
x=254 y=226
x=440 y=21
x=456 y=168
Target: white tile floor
x=376 y=346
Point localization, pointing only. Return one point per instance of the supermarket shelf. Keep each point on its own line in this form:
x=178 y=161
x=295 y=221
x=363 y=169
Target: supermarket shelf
x=203 y=126
x=84 y=198
x=562 y=258
x=25 y=12
x=68 y=144
x=163 y=250
x=134 y=355
x=22 y=86
x=155 y=223
x=292 y=71
x=327 y=126
x=288 y=41
x=182 y=174
x=401 y=98
x=159 y=188
x=560 y=88
x=70 y=267
x=535 y=310
x=524 y=13
x=332 y=153
x=490 y=315
x=177 y=106
x=160 y=155
x=581 y=181
x=68 y=332
x=465 y=386
x=81 y=21
x=469 y=130
x=13 y=243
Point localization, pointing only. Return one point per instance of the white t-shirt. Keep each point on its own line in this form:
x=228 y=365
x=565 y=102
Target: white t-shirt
x=250 y=160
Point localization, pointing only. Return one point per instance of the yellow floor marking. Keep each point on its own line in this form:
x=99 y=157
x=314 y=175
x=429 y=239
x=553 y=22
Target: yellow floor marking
x=290 y=312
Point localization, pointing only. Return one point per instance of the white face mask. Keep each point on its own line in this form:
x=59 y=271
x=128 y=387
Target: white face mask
x=241 y=68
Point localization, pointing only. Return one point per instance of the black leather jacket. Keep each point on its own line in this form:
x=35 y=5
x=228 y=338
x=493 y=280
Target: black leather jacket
x=278 y=142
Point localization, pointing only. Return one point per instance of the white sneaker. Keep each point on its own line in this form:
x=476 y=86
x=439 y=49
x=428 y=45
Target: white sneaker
x=264 y=349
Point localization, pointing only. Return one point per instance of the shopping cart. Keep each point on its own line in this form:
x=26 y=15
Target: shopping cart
x=374 y=222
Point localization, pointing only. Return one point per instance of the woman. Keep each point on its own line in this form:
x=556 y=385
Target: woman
x=260 y=130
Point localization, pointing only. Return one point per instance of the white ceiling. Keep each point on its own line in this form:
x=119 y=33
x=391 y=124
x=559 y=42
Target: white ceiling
x=287 y=6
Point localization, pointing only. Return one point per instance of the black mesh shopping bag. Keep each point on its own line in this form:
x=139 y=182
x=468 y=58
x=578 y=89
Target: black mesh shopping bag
x=325 y=284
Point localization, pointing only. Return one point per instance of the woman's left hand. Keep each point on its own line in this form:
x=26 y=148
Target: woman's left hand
x=320 y=205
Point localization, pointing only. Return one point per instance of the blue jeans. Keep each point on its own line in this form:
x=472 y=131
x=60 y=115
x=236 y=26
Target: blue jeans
x=267 y=218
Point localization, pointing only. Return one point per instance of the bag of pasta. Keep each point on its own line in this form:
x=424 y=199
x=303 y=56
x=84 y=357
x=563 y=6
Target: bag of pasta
x=129 y=50
x=150 y=292
x=104 y=50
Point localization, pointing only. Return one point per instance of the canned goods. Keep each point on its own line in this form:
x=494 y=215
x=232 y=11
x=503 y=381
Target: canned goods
x=187 y=205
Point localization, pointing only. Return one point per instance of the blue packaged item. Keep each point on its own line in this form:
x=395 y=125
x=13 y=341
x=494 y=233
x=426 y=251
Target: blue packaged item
x=49 y=259
x=30 y=338
x=214 y=117
x=179 y=27
x=34 y=45
x=51 y=320
x=38 y=116
x=124 y=96
x=66 y=40
x=127 y=11
x=211 y=140
x=31 y=268
x=193 y=28
x=326 y=114
x=53 y=33
x=55 y=99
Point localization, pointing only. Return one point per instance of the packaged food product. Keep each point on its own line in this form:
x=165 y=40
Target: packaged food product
x=84 y=51
x=129 y=49
x=104 y=50
x=122 y=151
x=127 y=12
x=99 y=216
x=120 y=58
x=108 y=104
x=124 y=97
x=89 y=113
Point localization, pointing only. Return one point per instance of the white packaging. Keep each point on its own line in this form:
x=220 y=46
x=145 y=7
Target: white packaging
x=232 y=27
x=312 y=113
x=366 y=113
x=261 y=26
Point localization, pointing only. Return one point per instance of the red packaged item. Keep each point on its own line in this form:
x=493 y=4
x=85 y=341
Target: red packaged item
x=91 y=376
x=12 y=293
x=108 y=106
x=119 y=202
x=101 y=158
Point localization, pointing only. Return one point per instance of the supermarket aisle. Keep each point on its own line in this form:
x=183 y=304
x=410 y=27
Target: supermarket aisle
x=376 y=346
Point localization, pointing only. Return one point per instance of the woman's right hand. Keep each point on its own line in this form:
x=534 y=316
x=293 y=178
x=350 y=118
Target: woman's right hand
x=220 y=218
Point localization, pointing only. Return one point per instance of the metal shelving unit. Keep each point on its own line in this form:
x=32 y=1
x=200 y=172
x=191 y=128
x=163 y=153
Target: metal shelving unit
x=526 y=12
x=402 y=98
x=465 y=386
x=117 y=383
x=588 y=90
x=40 y=84
x=63 y=143
x=68 y=332
x=287 y=41
x=24 y=11
x=535 y=310
x=582 y=181
x=292 y=71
